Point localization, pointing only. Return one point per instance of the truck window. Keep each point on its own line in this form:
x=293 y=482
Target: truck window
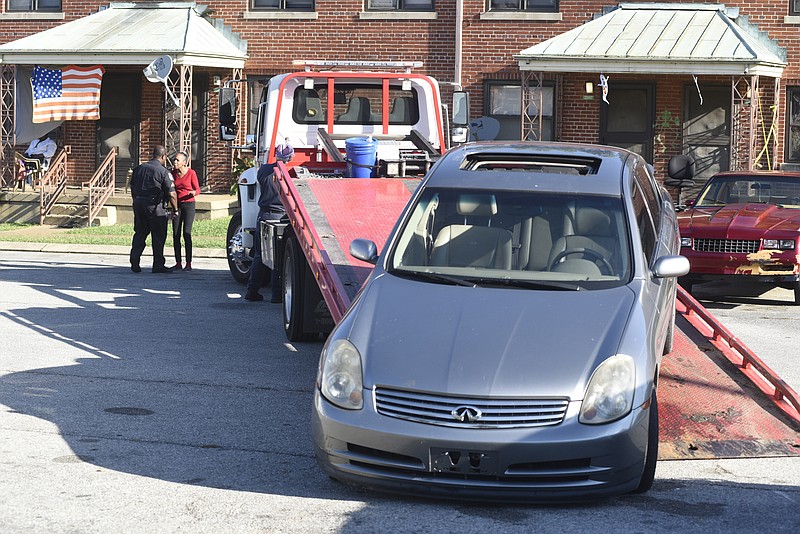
x=354 y=104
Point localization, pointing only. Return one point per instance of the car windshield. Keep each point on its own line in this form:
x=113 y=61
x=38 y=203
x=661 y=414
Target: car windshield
x=724 y=190
x=519 y=239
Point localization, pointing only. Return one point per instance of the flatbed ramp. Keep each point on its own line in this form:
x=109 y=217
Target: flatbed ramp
x=708 y=407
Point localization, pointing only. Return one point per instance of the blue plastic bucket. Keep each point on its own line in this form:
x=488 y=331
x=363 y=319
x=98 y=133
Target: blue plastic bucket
x=361 y=154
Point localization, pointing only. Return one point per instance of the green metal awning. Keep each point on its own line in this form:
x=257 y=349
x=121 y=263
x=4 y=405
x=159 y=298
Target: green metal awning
x=660 y=38
x=133 y=33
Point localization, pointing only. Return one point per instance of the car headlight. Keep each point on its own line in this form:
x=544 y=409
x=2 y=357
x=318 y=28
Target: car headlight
x=609 y=395
x=340 y=378
x=780 y=244
x=686 y=241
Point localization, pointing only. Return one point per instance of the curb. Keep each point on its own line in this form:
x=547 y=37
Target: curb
x=98 y=249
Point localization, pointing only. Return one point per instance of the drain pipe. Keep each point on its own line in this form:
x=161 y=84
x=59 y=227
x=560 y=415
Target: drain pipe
x=459 y=40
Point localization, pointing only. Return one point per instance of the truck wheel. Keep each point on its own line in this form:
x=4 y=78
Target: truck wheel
x=240 y=268
x=651 y=456
x=292 y=290
x=796 y=287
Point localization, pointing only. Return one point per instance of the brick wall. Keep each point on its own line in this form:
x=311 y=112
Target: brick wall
x=488 y=47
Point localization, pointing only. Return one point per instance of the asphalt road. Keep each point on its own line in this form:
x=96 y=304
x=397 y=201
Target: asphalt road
x=165 y=403
x=764 y=318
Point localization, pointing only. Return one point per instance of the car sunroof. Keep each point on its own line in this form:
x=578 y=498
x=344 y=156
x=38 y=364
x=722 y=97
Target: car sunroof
x=530 y=163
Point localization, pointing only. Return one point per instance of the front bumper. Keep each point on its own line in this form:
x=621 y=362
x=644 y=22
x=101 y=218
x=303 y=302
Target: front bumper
x=560 y=463
x=766 y=265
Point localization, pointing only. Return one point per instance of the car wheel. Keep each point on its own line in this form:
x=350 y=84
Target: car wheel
x=669 y=342
x=240 y=268
x=796 y=288
x=686 y=284
x=292 y=291
x=651 y=456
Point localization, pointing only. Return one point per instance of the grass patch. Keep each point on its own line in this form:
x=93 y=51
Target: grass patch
x=6 y=227
x=205 y=234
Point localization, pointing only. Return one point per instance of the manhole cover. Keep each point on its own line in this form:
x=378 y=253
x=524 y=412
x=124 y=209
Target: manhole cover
x=123 y=410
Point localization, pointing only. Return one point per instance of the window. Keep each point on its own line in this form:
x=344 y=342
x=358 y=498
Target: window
x=400 y=5
x=504 y=104
x=355 y=104
x=651 y=195
x=34 y=5
x=794 y=7
x=793 y=124
x=647 y=231
x=286 y=5
x=526 y=5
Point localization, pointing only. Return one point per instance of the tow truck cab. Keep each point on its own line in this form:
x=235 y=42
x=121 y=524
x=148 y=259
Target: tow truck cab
x=317 y=110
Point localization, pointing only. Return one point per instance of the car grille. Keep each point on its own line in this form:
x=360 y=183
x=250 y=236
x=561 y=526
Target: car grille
x=732 y=246
x=493 y=412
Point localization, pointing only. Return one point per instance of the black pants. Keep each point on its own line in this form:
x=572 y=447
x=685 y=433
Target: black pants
x=183 y=225
x=151 y=220
x=259 y=271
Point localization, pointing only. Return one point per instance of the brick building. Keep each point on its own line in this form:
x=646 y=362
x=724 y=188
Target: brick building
x=733 y=102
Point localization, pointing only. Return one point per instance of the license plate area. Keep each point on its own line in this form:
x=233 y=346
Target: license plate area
x=464 y=462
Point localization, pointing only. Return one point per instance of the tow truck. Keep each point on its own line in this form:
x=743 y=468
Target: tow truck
x=329 y=111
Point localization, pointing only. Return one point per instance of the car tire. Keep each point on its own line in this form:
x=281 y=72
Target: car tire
x=293 y=262
x=669 y=342
x=651 y=456
x=240 y=270
x=796 y=288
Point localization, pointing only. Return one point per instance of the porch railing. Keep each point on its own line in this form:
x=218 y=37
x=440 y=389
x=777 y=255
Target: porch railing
x=101 y=185
x=54 y=183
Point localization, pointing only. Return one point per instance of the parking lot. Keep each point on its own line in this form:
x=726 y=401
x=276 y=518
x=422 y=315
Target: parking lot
x=165 y=403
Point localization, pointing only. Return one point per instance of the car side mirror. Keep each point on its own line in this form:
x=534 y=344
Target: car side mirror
x=671 y=267
x=364 y=250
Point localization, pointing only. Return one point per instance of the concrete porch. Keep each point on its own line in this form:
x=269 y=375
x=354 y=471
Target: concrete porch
x=72 y=206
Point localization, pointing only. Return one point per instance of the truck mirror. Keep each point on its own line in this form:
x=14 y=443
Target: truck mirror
x=227 y=106
x=460 y=109
x=227 y=113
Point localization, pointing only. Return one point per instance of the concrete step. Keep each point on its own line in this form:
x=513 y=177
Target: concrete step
x=75 y=216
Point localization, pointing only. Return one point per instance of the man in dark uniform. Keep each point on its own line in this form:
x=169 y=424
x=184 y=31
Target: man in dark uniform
x=270 y=208
x=151 y=185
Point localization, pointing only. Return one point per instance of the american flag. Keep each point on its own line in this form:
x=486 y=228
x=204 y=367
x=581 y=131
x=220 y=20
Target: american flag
x=71 y=93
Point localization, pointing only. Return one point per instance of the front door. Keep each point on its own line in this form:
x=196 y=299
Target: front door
x=119 y=121
x=628 y=118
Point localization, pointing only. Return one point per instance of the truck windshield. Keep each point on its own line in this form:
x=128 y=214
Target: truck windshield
x=355 y=104
x=515 y=236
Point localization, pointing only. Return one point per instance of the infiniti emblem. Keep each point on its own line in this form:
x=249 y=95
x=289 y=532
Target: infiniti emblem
x=466 y=414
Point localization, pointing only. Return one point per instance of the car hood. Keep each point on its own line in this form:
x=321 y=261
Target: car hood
x=737 y=219
x=485 y=341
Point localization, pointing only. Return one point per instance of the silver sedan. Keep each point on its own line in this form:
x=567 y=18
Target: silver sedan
x=508 y=341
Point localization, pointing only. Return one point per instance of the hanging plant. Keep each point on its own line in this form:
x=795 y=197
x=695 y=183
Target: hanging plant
x=668 y=125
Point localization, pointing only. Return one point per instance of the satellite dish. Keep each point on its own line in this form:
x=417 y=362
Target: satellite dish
x=158 y=72
x=484 y=129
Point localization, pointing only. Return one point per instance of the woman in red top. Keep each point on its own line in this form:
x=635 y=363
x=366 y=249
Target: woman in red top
x=187 y=188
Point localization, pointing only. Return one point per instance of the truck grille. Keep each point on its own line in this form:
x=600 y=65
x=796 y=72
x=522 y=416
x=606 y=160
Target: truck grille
x=492 y=412
x=730 y=246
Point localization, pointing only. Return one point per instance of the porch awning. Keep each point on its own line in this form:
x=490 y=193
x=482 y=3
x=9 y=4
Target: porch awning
x=132 y=34
x=700 y=39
